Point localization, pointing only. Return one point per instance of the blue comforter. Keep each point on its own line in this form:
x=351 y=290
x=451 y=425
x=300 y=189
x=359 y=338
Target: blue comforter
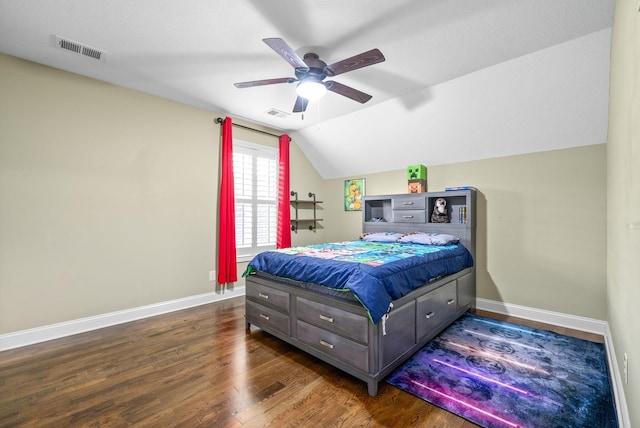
x=375 y=272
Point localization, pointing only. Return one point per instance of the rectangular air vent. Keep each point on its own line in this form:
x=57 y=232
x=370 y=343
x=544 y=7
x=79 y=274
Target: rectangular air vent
x=79 y=49
x=277 y=113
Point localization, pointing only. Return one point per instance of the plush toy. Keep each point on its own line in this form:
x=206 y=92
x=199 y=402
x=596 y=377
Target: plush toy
x=440 y=212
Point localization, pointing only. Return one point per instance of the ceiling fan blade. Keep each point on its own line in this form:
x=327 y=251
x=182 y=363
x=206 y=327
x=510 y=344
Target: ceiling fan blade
x=285 y=51
x=264 y=82
x=300 y=105
x=347 y=91
x=364 y=59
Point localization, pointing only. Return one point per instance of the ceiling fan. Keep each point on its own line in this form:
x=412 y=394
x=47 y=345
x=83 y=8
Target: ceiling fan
x=311 y=71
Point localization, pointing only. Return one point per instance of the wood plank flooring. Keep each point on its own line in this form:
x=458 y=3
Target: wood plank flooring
x=199 y=367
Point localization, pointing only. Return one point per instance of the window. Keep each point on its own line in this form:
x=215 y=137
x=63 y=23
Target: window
x=255 y=172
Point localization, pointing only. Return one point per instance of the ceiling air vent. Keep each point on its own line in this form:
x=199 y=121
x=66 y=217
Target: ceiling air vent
x=277 y=113
x=79 y=49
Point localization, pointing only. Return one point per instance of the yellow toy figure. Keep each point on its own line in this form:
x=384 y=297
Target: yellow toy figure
x=352 y=191
x=357 y=201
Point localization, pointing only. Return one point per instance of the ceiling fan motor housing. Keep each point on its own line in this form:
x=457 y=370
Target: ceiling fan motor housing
x=317 y=70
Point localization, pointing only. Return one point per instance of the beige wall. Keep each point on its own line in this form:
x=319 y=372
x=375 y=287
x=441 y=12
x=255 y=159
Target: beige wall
x=623 y=185
x=108 y=201
x=108 y=196
x=541 y=225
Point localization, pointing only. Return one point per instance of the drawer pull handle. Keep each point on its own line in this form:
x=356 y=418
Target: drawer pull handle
x=326 y=344
x=326 y=318
x=407 y=203
x=264 y=296
x=264 y=316
x=407 y=216
x=430 y=315
x=451 y=301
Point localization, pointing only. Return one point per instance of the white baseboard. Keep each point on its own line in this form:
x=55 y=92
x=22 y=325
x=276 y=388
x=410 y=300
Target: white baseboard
x=618 y=387
x=55 y=331
x=577 y=323
x=556 y=318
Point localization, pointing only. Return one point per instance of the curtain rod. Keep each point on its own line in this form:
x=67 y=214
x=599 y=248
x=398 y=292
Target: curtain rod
x=221 y=121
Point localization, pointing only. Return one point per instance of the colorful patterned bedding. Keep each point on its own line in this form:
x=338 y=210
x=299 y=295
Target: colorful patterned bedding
x=375 y=272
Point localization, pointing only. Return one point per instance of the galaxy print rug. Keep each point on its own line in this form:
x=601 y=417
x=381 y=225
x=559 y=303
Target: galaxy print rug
x=497 y=374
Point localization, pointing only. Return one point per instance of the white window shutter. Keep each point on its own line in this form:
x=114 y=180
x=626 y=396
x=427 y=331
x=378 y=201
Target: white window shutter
x=255 y=170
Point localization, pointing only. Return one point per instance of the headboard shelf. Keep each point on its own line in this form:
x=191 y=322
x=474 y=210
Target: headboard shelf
x=411 y=212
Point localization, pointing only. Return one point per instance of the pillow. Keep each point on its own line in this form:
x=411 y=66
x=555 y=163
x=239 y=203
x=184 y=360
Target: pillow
x=381 y=236
x=429 y=238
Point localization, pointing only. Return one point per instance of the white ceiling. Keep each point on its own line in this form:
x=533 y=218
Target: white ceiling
x=462 y=80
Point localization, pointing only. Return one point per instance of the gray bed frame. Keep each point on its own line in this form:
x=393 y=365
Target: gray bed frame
x=338 y=330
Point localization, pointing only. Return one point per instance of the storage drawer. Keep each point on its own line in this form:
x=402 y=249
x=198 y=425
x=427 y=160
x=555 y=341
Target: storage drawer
x=345 y=324
x=263 y=316
x=401 y=332
x=409 y=203
x=466 y=292
x=409 y=216
x=435 y=309
x=268 y=296
x=352 y=353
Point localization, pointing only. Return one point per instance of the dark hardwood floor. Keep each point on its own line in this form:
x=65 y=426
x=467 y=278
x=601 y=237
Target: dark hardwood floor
x=199 y=367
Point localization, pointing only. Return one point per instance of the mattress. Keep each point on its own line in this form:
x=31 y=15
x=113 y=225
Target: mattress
x=376 y=273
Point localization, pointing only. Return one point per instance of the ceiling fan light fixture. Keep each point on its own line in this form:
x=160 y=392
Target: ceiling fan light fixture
x=311 y=90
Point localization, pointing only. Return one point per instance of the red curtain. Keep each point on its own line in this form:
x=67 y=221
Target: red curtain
x=283 y=239
x=227 y=267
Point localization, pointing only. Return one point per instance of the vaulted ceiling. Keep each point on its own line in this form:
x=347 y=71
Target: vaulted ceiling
x=462 y=79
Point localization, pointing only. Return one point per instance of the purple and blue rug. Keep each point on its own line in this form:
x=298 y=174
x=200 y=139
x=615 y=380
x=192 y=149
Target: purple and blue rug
x=497 y=374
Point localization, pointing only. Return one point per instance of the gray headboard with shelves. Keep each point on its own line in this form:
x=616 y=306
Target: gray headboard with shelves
x=411 y=212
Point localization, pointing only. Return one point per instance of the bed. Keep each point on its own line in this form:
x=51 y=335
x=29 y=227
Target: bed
x=366 y=305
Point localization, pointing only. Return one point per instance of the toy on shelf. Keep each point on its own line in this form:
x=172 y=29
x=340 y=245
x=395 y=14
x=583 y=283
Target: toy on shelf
x=440 y=214
x=417 y=186
x=417 y=178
